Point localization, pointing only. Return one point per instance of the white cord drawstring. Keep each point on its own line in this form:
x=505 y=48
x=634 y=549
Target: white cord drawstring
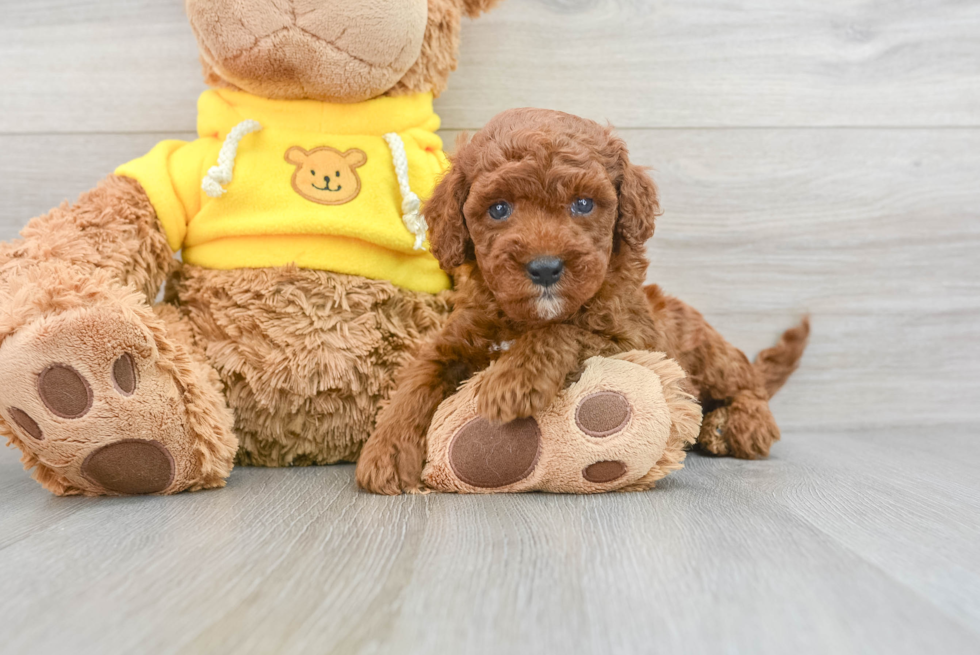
x=411 y=216
x=221 y=174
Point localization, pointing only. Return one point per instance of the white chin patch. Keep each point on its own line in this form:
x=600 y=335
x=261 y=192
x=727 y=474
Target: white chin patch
x=548 y=306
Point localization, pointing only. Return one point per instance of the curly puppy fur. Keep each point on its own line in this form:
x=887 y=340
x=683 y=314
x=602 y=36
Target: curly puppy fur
x=540 y=162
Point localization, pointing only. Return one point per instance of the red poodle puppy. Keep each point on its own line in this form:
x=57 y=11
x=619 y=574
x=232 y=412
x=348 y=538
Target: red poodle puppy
x=543 y=219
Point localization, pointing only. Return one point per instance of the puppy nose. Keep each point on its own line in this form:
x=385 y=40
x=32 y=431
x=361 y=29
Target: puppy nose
x=545 y=270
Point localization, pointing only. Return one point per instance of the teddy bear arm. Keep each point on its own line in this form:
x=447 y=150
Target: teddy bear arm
x=112 y=227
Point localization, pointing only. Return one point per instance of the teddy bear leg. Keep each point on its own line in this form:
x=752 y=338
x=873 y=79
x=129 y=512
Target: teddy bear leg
x=105 y=395
x=622 y=426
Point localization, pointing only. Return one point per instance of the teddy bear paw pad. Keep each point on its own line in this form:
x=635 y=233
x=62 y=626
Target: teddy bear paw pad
x=131 y=466
x=490 y=456
x=603 y=472
x=603 y=414
x=612 y=429
x=26 y=423
x=64 y=391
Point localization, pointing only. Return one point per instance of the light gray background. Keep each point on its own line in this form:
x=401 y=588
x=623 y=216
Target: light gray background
x=818 y=157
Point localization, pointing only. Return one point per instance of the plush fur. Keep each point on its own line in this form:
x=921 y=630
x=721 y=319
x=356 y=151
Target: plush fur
x=540 y=162
x=305 y=49
x=112 y=227
x=299 y=360
x=305 y=356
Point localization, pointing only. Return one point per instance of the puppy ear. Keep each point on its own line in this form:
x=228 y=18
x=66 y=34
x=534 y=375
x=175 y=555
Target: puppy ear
x=448 y=236
x=639 y=203
x=474 y=8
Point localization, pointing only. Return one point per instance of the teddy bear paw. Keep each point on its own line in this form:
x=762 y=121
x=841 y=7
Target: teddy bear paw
x=87 y=399
x=609 y=430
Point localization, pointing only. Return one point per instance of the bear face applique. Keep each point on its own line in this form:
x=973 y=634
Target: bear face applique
x=325 y=175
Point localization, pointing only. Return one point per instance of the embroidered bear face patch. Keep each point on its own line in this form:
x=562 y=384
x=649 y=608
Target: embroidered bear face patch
x=325 y=175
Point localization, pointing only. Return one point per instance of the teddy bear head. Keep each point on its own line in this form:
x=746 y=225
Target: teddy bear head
x=330 y=50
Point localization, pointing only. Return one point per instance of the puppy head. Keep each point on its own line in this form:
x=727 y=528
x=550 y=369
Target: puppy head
x=544 y=203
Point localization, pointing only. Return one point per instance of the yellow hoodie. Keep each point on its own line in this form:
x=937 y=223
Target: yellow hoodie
x=274 y=182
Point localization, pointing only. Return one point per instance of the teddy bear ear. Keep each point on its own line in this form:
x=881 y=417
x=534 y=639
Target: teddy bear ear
x=296 y=156
x=355 y=157
x=474 y=8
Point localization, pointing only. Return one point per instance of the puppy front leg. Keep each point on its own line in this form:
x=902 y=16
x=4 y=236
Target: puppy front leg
x=392 y=459
x=528 y=376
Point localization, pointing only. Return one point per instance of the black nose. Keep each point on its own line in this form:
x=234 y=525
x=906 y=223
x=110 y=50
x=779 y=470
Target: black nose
x=545 y=270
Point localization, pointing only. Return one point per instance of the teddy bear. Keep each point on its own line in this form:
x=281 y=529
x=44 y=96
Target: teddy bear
x=304 y=280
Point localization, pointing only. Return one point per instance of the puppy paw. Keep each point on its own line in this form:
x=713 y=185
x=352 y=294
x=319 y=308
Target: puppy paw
x=385 y=469
x=712 y=438
x=505 y=394
x=745 y=429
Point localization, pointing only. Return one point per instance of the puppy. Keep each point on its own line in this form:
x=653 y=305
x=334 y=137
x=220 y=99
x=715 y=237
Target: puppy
x=543 y=219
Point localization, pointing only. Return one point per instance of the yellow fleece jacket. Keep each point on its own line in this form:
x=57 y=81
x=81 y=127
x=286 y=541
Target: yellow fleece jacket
x=312 y=184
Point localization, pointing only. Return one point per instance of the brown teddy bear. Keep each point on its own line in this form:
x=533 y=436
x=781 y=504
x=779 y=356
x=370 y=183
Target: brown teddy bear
x=305 y=280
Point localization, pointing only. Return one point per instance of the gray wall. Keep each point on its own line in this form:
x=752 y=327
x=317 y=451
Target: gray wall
x=818 y=157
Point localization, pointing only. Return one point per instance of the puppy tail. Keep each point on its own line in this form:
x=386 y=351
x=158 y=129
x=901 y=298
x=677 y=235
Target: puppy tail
x=776 y=364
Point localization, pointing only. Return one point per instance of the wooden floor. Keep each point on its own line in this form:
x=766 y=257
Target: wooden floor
x=840 y=543
x=817 y=156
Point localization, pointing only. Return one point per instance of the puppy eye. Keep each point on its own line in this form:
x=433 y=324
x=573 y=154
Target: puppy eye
x=338 y=173
x=583 y=206
x=500 y=211
x=312 y=172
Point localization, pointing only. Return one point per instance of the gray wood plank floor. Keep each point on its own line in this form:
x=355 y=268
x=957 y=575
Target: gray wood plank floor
x=818 y=157
x=839 y=543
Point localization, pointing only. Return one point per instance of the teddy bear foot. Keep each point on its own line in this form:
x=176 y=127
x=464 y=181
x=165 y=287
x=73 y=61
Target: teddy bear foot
x=623 y=425
x=104 y=403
